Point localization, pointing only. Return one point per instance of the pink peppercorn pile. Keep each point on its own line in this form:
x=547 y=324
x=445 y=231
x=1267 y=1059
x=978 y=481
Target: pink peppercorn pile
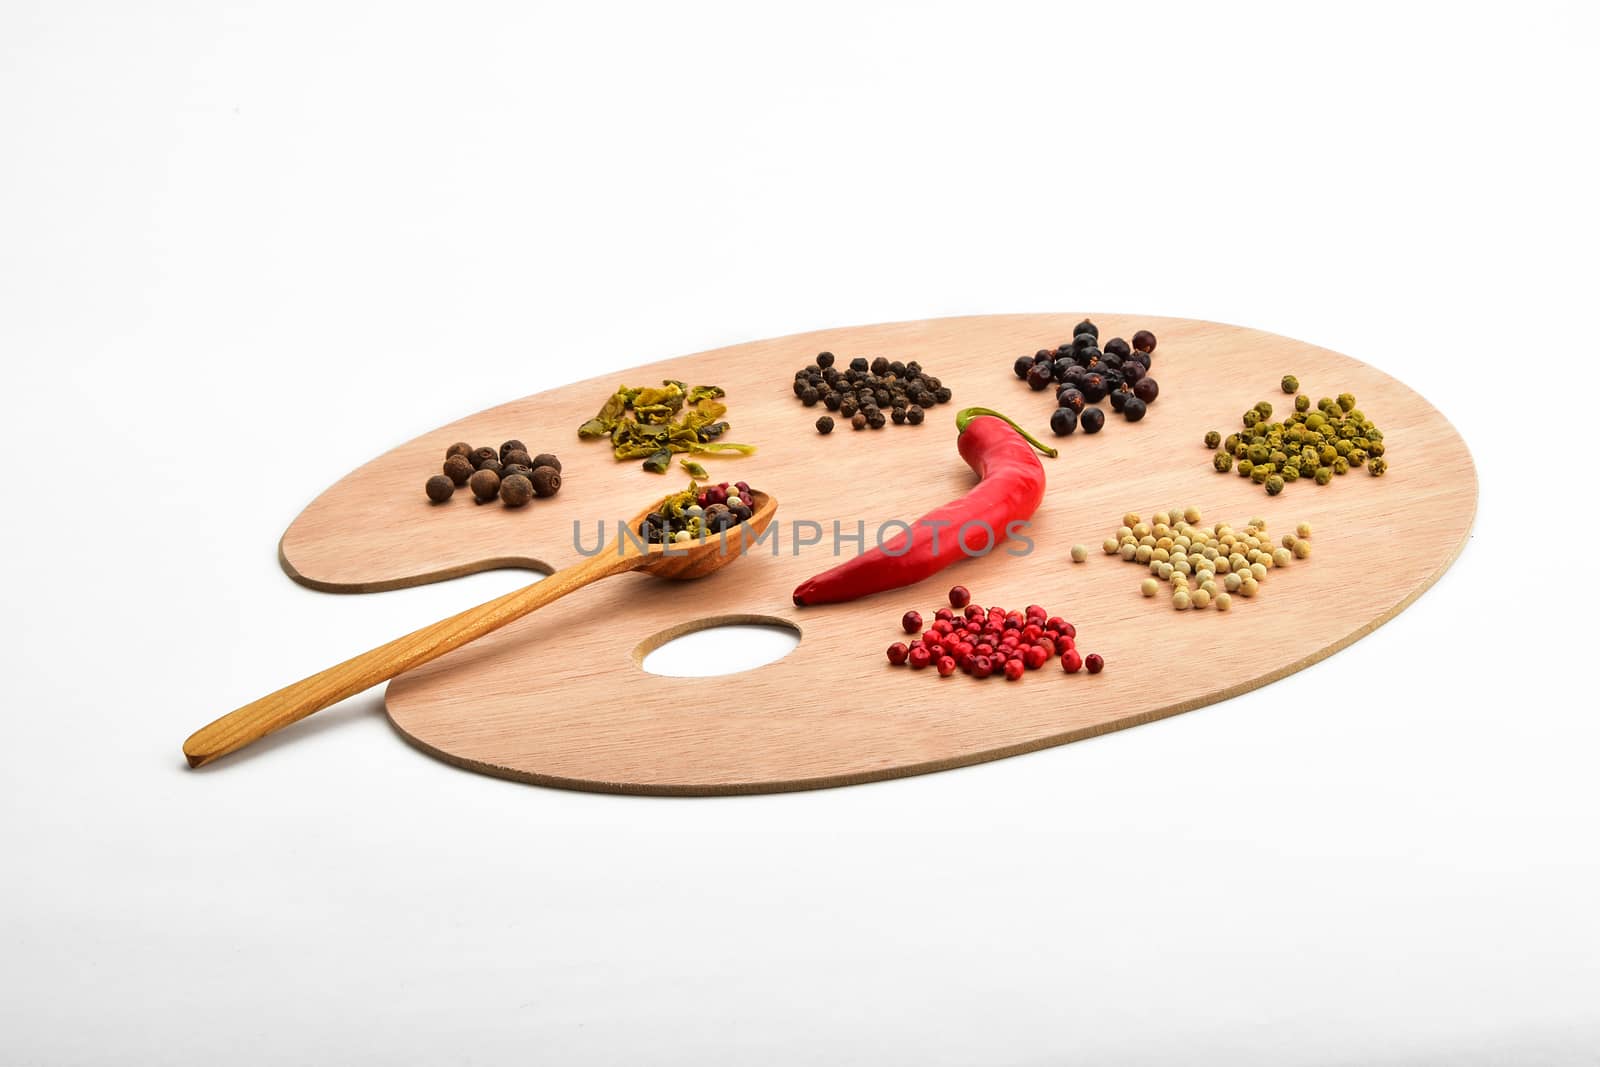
x=986 y=641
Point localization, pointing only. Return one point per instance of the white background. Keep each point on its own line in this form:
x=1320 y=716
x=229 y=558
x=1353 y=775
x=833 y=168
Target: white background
x=246 y=247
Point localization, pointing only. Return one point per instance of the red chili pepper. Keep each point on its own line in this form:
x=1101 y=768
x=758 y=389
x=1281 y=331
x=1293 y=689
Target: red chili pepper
x=1010 y=487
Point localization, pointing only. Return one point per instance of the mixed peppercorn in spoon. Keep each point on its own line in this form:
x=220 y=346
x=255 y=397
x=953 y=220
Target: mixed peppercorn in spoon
x=698 y=512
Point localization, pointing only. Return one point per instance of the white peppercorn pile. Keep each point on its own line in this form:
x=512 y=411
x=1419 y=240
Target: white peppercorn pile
x=1206 y=565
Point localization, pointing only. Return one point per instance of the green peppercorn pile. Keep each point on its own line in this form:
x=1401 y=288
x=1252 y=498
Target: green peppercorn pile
x=1206 y=565
x=1317 y=444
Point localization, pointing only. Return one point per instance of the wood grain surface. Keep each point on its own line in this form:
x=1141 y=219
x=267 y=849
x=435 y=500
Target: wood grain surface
x=560 y=698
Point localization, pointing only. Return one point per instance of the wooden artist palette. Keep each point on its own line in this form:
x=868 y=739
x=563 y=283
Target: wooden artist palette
x=560 y=698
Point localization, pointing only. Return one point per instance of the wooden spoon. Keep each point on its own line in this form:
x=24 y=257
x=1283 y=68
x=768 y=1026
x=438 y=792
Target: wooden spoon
x=694 y=559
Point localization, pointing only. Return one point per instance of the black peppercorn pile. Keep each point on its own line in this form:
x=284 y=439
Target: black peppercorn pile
x=509 y=473
x=862 y=392
x=1083 y=374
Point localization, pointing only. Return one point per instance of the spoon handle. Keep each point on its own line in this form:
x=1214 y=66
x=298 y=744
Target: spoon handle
x=294 y=702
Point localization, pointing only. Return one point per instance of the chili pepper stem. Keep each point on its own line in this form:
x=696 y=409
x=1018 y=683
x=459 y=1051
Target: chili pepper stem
x=966 y=415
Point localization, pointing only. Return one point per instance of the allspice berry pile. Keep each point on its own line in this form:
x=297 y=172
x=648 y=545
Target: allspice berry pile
x=509 y=473
x=1206 y=565
x=869 y=394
